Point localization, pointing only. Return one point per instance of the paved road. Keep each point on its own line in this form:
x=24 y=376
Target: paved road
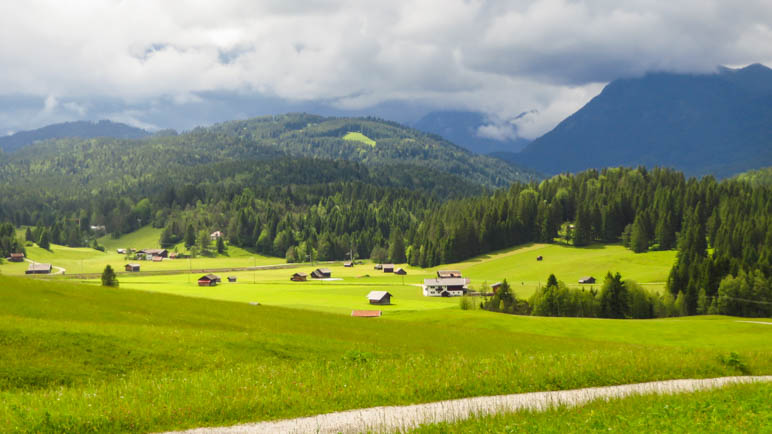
x=380 y=419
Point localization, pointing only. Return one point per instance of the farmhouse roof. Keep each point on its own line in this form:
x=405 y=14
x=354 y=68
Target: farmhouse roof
x=37 y=266
x=153 y=251
x=17 y=255
x=447 y=281
x=132 y=265
x=301 y=274
x=324 y=270
x=448 y=273
x=366 y=313
x=209 y=277
x=377 y=295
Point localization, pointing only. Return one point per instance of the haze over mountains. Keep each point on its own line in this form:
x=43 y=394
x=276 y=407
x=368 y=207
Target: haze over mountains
x=81 y=129
x=719 y=124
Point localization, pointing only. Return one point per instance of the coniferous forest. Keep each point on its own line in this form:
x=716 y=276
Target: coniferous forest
x=300 y=206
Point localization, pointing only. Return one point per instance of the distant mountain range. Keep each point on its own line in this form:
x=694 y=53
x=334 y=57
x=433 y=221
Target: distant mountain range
x=466 y=128
x=80 y=129
x=719 y=124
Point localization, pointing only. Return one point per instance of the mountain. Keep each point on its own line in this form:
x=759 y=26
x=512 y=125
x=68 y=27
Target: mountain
x=81 y=129
x=464 y=129
x=719 y=124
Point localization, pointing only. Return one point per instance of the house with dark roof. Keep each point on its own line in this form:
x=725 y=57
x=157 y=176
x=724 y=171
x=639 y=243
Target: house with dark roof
x=588 y=279
x=16 y=257
x=155 y=252
x=445 y=287
x=231 y=279
x=132 y=268
x=321 y=273
x=400 y=271
x=208 y=280
x=379 y=297
x=299 y=277
x=388 y=268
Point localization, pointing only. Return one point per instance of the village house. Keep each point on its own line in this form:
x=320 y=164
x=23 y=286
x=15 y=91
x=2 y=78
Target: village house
x=215 y=235
x=588 y=279
x=445 y=287
x=163 y=253
x=132 y=268
x=208 y=280
x=447 y=274
x=121 y=251
x=495 y=287
x=400 y=271
x=321 y=273
x=299 y=277
x=37 y=268
x=378 y=267
x=16 y=257
x=388 y=268
x=379 y=297
x=348 y=264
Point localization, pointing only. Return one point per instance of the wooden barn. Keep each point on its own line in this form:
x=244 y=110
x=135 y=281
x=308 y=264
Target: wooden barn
x=388 y=268
x=132 y=268
x=231 y=279
x=539 y=258
x=36 y=268
x=448 y=274
x=378 y=267
x=299 y=277
x=16 y=257
x=588 y=279
x=208 y=280
x=379 y=297
x=348 y=264
x=400 y=271
x=495 y=287
x=321 y=273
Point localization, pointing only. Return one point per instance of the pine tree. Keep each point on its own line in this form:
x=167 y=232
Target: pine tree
x=396 y=248
x=44 y=241
x=613 y=297
x=220 y=245
x=190 y=236
x=639 y=241
x=108 y=277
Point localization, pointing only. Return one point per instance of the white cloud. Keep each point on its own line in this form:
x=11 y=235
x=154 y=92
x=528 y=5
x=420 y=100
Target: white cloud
x=500 y=57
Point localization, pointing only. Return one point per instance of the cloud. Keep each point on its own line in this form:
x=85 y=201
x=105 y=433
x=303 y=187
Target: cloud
x=545 y=57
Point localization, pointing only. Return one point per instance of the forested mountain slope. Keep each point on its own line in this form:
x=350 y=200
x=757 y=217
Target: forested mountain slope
x=80 y=129
x=719 y=124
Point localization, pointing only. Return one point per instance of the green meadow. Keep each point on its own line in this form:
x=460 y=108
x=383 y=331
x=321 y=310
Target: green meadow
x=733 y=409
x=78 y=357
x=518 y=266
x=359 y=137
x=87 y=260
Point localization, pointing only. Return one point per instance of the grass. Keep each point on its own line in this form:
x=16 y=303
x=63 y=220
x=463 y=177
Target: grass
x=738 y=408
x=359 y=137
x=77 y=357
x=518 y=265
x=87 y=260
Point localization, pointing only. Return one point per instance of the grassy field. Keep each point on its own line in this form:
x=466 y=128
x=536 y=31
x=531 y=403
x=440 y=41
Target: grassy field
x=359 y=137
x=734 y=409
x=518 y=265
x=77 y=357
x=87 y=260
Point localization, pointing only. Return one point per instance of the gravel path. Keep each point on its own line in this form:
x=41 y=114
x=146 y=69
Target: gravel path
x=381 y=419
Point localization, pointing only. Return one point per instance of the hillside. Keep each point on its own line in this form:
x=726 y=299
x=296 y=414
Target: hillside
x=719 y=124
x=80 y=358
x=79 y=129
x=463 y=129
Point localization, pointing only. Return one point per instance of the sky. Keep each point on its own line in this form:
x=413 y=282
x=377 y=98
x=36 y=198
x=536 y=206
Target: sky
x=525 y=64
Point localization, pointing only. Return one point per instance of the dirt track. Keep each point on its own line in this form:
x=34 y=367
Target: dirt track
x=380 y=419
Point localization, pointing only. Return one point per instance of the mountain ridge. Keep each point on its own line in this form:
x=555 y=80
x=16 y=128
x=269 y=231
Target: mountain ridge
x=80 y=129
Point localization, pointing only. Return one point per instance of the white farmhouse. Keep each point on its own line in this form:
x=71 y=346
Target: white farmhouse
x=445 y=287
